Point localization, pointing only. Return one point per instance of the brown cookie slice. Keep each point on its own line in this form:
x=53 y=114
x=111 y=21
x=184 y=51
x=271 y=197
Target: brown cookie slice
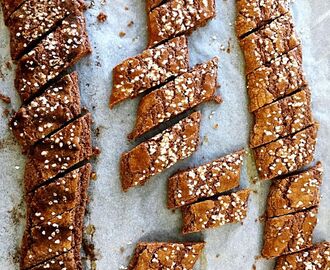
x=183 y=93
x=160 y=152
x=288 y=234
x=252 y=14
x=215 y=177
x=316 y=258
x=286 y=155
x=282 y=118
x=52 y=238
x=47 y=113
x=269 y=42
x=60 y=50
x=280 y=78
x=149 y=69
x=58 y=153
x=177 y=17
x=160 y=255
x=216 y=212
x=65 y=194
x=34 y=19
x=295 y=193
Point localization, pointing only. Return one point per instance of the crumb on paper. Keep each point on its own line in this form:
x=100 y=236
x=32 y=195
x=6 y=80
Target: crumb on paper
x=102 y=17
x=5 y=99
x=216 y=126
x=130 y=24
x=122 y=34
x=94 y=176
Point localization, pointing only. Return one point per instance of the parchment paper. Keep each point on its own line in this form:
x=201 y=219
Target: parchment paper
x=121 y=220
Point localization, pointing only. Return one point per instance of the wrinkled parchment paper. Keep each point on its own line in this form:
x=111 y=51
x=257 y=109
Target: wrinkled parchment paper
x=121 y=220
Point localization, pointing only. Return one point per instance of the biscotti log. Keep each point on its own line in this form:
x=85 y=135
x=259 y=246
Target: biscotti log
x=65 y=194
x=171 y=256
x=60 y=50
x=269 y=42
x=282 y=118
x=58 y=153
x=216 y=212
x=288 y=234
x=286 y=155
x=188 y=186
x=252 y=14
x=280 y=78
x=151 y=68
x=52 y=238
x=47 y=113
x=178 y=17
x=34 y=19
x=295 y=193
x=315 y=258
x=183 y=93
x=160 y=152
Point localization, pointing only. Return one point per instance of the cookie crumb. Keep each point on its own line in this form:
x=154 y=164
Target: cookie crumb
x=102 y=17
x=130 y=24
x=5 y=99
x=122 y=34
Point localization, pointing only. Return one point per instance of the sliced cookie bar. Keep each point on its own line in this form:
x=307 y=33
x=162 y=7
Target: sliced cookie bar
x=169 y=256
x=60 y=50
x=281 y=77
x=150 y=69
x=295 y=193
x=178 y=17
x=220 y=175
x=214 y=213
x=47 y=240
x=65 y=194
x=288 y=234
x=48 y=112
x=58 y=153
x=315 y=258
x=286 y=155
x=253 y=14
x=160 y=152
x=269 y=42
x=34 y=19
x=282 y=118
x=183 y=93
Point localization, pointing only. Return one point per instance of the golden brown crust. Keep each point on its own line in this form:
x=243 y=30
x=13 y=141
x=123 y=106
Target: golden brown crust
x=160 y=152
x=149 y=69
x=316 y=258
x=269 y=42
x=288 y=234
x=171 y=256
x=178 y=17
x=214 y=213
x=295 y=193
x=188 y=186
x=183 y=93
x=286 y=155
x=282 y=118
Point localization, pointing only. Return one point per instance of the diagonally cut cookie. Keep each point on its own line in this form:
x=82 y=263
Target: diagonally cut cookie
x=160 y=255
x=282 y=118
x=216 y=212
x=215 y=177
x=177 y=17
x=149 y=69
x=286 y=155
x=50 y=111
x=58 y=153
x=52 y=238
x=183 y=93
x=281 y=77
x=253 y=14
x=160 y=152
x=65 y=194
x=288 y=234
x=269 y=42
x=316 y=258
x=60 y=50
x=295 y=193
x=34 y=19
